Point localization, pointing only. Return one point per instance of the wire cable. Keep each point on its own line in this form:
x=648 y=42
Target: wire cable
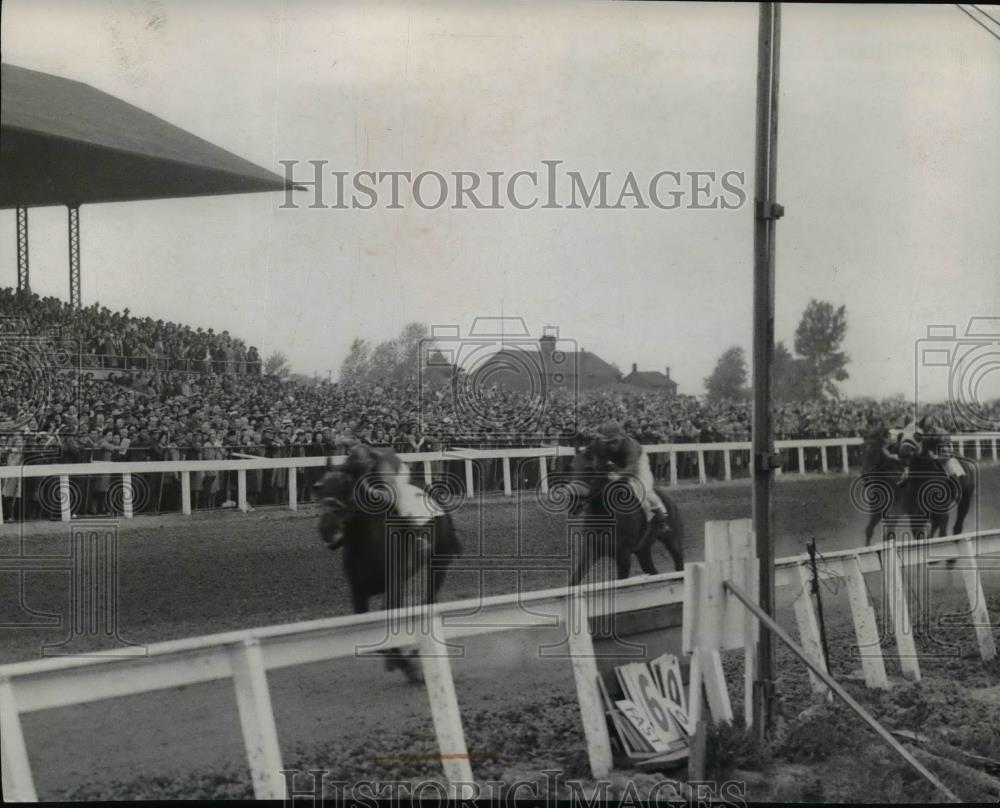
x=979 y=22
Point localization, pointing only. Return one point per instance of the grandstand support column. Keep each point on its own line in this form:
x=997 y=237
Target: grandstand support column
x=74 y=256
x=23 y=277
x=766 y=213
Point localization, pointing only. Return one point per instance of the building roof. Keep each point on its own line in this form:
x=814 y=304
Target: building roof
x=63 y=142
x=650 y=378
x=578 y=363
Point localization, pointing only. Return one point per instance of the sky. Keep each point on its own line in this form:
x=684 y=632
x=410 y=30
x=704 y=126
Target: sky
x=888 y=169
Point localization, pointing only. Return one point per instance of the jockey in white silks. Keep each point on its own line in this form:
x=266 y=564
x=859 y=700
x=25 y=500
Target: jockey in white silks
x=410 y=500
x=631 y=464
x=932 y=442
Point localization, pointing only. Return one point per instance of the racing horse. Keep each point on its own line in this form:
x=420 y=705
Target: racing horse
x=927 y=494
x=379 y=557
x=608 y=501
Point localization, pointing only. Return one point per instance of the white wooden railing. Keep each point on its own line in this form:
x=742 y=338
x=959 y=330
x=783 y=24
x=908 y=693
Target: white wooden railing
x=984 y=447
x=246 y=656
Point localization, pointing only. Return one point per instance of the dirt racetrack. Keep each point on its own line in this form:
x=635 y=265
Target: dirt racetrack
x=182 y=577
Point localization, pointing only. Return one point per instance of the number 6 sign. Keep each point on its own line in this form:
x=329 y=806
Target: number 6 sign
x=669 y=671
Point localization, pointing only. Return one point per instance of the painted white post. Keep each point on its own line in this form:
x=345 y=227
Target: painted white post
x=968 y=566
x=428 y=473
x=64 y=498
x=727 y=464
x=128 y=495
x=809 y=636
x=469 y=489
x=843 y=458
x=15 y=768
x=673 y=468
x=979 y=449
x=802 y=460
x=823 y=459
x=701 y=467
x=994 y=448
x=444 y=708
x=260 y=735
x=186 y=493
x=293 y=490
x=241 y=489
x=865 y=625
x=588 y=694
x=543 y=474
x=506 y=477
x=894 y=588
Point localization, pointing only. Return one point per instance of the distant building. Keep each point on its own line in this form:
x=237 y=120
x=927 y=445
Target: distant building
x=652 y=380
x=520 y=367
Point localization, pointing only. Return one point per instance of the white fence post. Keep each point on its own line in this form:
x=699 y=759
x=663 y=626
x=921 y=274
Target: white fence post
x=825 y=463
x=428 y=473
x=241 y=489
x=127 y=494
x=469 y=483
x=260 y=735
x=186 y=493
x=701 y=467
x=588 y=694
x=65 y=503
x=727 y=463
x=293 y=490
x=506 y=477
x=894 y=590
x=979 y=614
x=843 y=458
x=444 y=708
x=15 y=768
x=543 y=474
x=673 y=468
x=802 y=460
x=865 y=625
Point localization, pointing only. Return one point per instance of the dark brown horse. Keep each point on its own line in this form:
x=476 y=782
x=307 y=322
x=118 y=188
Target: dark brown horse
x=382 y=554
x=613 y=524
x=927 y=495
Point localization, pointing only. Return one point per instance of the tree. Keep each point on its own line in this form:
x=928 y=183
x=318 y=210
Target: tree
x=393 y=360
x=791 y=381
x=817 y=340
x=355 y=365
x=277 y=365
x=728 y=380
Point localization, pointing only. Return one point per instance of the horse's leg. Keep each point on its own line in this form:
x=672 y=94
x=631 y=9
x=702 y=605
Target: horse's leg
x=623 y=561
x=673 y=544
x=964 y=502
x=646 y=561
x=873 y=521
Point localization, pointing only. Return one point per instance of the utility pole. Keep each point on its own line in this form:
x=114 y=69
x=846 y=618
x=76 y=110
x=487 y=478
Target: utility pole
x=766 y=213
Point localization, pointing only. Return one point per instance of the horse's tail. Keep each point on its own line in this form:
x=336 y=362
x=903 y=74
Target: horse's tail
x=676 y=536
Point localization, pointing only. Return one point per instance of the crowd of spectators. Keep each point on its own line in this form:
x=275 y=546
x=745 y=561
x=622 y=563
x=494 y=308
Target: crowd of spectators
x=223 y=407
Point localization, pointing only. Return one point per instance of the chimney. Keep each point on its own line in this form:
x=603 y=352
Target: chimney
x=635 y=368
x=668 y=371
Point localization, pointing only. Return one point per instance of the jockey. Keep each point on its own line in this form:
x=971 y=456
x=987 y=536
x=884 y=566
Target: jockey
x=632 y=464
x=926 y=439
x=410 y=500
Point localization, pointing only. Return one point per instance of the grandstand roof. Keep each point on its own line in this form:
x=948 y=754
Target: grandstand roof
x=63 y=142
